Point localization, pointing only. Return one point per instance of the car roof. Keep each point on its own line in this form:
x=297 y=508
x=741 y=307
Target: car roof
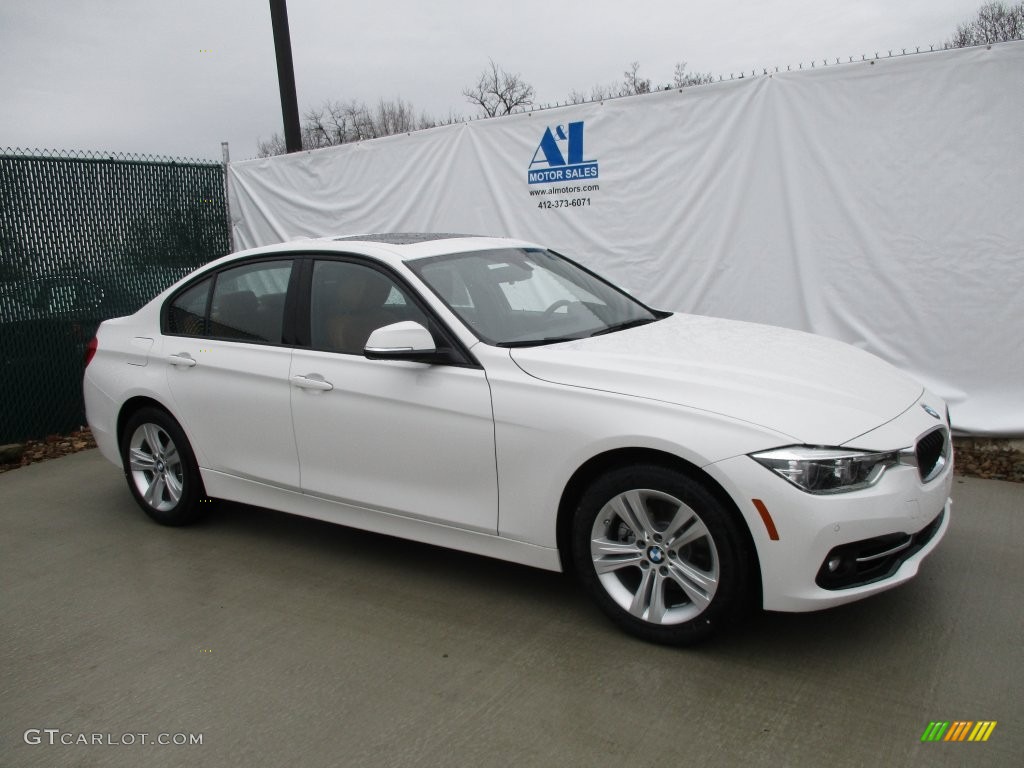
x=401 y=238
x=390 y=248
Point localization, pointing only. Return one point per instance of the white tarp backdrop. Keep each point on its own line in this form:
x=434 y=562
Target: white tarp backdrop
x=881 y=203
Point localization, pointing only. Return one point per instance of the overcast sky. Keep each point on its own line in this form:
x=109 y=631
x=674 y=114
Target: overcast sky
x=179 y=77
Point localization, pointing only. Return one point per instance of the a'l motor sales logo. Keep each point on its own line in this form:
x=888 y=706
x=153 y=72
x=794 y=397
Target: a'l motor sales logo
x=559 y=156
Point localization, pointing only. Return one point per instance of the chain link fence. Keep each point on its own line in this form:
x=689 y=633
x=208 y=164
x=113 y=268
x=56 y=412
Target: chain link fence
x=86 y=236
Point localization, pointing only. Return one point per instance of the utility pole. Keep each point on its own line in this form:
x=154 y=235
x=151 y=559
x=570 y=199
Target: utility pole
x=225 y=154
x=286 y=75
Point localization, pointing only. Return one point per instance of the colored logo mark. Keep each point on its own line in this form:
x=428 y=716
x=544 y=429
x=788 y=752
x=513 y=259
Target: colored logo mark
x=959 y=730
x=551 y=164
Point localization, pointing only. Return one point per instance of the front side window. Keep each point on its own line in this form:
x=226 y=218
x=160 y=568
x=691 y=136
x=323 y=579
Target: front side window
x=527 y=296
x=349 y=301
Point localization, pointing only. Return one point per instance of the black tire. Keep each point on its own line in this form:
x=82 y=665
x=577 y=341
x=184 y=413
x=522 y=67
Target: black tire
x=161 y=469
x=683 y=577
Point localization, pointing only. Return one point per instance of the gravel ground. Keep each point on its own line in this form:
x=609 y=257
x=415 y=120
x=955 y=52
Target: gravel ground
x=987 y=458
x=52 y=447
x=990 y=458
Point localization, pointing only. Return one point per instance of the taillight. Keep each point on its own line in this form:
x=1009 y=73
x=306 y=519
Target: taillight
x=90 y=351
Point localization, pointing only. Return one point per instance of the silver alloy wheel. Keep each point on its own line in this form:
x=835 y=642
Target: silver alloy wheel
x=156 y=467
x=655 y=556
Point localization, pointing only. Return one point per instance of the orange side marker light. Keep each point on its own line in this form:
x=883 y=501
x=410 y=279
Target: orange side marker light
x=766 y=518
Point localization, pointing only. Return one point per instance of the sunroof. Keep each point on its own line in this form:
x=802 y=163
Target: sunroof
x=402 y=238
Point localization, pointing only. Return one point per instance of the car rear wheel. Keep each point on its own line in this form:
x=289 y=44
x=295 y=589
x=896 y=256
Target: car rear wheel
x=161 y=469
x=660 y=554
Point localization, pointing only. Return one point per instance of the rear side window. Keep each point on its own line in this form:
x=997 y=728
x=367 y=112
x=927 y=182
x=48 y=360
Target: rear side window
x=187 y=315
x=245 y=303
x=248 y=302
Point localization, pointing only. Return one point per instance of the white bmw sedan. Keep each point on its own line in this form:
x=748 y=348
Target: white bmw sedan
x=491 y=396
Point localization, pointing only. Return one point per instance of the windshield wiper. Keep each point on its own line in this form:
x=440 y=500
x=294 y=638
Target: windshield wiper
x=557 y=339
x=536 y=342
x=625 y=325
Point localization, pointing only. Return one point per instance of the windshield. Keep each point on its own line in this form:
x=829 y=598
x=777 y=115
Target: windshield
x=515 y=297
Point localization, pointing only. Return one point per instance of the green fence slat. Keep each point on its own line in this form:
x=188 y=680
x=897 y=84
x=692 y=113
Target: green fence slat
x=85 y=236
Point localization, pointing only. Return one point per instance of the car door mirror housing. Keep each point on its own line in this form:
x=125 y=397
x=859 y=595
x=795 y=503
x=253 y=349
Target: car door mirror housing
x=407 y=340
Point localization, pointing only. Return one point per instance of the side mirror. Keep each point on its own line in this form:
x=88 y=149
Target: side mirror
x=407 y=341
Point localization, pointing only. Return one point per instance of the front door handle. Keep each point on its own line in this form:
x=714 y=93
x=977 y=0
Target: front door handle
x=182 y=358
x=312 y=381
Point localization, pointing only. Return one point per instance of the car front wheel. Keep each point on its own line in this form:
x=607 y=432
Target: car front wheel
x=661 y=555
x=160 y=468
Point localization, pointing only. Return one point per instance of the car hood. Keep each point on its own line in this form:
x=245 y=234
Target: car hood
x=816 y=390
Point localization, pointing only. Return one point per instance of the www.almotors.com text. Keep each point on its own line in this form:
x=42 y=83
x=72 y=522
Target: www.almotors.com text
x=55 y=736
x=567 y=190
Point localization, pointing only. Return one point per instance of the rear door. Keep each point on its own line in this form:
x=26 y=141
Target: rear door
x=227 y=371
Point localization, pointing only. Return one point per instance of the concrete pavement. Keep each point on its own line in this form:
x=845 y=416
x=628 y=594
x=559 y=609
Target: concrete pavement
x=283 y=641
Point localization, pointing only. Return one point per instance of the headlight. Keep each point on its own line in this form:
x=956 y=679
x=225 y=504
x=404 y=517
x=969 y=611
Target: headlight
x=827 y=470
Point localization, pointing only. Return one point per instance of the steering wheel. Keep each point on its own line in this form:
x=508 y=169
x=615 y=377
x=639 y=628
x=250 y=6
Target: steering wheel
x=557 y=306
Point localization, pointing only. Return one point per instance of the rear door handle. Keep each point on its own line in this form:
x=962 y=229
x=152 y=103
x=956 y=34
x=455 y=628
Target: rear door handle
x=312 y=381
x=182 y=358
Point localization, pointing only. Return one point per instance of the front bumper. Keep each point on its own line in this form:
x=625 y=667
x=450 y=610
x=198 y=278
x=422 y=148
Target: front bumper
x=874 y=538
x=873 y=560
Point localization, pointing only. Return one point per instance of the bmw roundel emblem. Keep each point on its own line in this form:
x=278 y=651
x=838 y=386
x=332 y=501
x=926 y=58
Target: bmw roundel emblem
x=655 y=554
x=931 y=411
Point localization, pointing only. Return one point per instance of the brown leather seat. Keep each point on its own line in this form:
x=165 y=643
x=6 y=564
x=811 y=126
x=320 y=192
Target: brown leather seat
x=361 y=311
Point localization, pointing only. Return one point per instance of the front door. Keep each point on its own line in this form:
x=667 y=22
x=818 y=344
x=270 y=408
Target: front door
x=397 y=437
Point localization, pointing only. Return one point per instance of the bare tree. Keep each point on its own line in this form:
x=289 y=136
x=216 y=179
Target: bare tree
x=602 y=92
x=498 y=92
x=399 y=117
x=272 y=146
x=683 y=79
x=632 y=83
x=995 y=23
x=327 y=125
x=338 y=122
x=576 y=97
